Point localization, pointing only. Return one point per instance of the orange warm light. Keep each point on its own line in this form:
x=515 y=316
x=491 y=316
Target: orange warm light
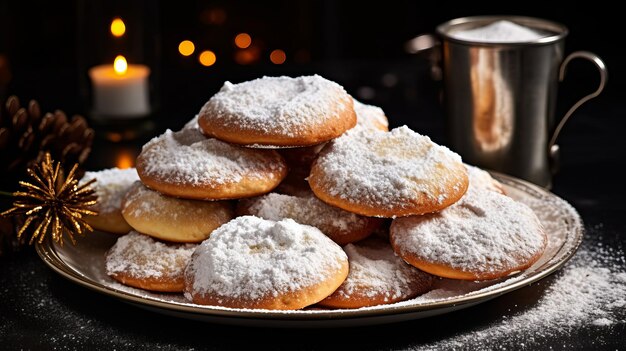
x=207 y=58
x=186 y=47
x=247 y=56
x=120 y=65
x=278 y=57
x=124 y=160
x=243 y=40
x=118 y=28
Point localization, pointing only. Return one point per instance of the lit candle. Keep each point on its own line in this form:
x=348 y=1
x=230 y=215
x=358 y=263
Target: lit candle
x=120 y=90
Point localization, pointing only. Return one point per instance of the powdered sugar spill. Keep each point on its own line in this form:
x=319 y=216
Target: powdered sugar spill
x=590 y=290
x=188 y=157
x=111 y=186
x=499 y=32
x=252 y=258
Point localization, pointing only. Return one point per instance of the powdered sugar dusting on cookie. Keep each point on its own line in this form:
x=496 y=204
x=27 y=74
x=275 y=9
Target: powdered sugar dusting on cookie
x=188 y=157
x=306 y=210
x=283 y=105
x=251 y=258
x=376 y=271
x=140 y=256
x=482 y=179
x=388 y=169
x=136 y=199
x=111 y=186
x=370 y=117
x=192 y=123
x=484 y=232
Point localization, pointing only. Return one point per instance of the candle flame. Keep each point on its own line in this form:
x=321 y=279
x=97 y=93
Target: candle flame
x=118 y=28
x=119 y=65
x=125 y=159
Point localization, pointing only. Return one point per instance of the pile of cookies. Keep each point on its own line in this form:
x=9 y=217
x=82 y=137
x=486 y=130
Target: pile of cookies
x=286 y=192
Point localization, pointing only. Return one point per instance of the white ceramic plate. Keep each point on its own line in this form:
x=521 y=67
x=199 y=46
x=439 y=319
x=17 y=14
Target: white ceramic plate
x=84 y=264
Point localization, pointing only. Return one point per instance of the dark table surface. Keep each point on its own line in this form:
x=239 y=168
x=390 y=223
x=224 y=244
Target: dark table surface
x=39 y=309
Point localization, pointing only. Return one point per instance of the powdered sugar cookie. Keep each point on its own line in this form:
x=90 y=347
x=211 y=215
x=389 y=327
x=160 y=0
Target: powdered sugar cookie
x=377 y=276
x=111 y=186
x=370 y=117
x=482 y=179
x=186 y=164
x=398 y=173
x=192 y=124
x=255 y=263
x=139 y=261
x=278 y=111
x=486 y=235
x=173 y=219
x=341 y=226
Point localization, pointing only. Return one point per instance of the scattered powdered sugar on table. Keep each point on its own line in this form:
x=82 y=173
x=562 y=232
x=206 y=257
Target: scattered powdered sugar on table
x=283 y=105
x=499 y=32
x=589 y=291
x=252 y=258
x=141 y=256
x=111 y=186
x=386 y=169
x=188 y=157
x=307 y=210
x=571 y=304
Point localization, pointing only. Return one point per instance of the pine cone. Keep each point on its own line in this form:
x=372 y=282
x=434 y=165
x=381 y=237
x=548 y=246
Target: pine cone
x=25 y=136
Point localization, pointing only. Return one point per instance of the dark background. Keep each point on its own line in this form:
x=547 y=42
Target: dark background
x=50 y=45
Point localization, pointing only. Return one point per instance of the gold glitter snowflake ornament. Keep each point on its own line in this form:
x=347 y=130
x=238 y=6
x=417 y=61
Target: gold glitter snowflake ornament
x=53 y=203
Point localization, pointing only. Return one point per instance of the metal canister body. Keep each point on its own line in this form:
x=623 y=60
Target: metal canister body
x=500 y=100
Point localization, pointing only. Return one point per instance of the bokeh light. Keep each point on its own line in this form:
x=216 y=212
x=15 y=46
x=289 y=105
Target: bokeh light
x=243 y=40
x=247 y=56
x=207 y=58
x=214 y=16
x=124 y=159
x=186 y=47
x=118 y=28
x=278 y=57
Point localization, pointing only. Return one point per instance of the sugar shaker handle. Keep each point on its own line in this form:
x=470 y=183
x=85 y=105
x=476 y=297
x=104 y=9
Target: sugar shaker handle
x=552 y=147
x=431 y=44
